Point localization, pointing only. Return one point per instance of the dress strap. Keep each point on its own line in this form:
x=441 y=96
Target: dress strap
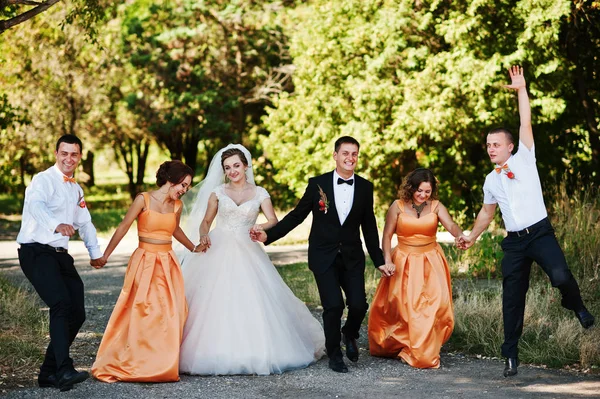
x=434 y=206
x=146 y=200
x=177 y=206
x=400 y=205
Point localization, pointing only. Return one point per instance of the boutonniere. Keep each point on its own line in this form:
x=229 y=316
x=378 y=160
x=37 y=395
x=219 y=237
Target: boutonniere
x=504 y=168
x=81 y=201
x=323 y=203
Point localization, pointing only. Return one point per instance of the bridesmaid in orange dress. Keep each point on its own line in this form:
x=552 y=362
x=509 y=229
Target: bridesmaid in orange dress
x=411 y=315
x=142 y=339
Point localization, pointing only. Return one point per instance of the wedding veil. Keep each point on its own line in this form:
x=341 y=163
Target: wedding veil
x=196 y=200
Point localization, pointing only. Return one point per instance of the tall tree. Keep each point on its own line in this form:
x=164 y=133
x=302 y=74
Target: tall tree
x=210 y=67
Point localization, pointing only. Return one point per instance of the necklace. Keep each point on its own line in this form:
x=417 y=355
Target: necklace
x=246 y=187
x=419 y=208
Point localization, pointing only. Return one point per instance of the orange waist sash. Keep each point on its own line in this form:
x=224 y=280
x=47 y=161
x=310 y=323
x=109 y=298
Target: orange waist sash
x=155 y=247
x=418 y=248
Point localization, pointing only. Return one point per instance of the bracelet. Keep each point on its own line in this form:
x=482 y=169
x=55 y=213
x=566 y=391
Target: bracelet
x=195 y=247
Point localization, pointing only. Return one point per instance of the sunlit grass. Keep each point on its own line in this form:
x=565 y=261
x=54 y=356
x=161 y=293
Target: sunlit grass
x=24 y=327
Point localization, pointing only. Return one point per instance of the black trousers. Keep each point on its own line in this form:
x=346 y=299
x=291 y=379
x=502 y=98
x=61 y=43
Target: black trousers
x=330 y=284
x=54 y=277
x=542 y=247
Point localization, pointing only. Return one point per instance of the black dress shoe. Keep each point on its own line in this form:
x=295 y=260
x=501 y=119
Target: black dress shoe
x=510 y=367
x=585 y=318
x=351 y=347
x=47 y=381
x=70 y=378
x=338 y=365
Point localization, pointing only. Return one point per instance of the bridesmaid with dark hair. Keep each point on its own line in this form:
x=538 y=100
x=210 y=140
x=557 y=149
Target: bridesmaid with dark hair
x=142 y=339
x=411 y=315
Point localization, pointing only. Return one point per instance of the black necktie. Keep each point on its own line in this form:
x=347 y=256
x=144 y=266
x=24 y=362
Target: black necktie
x=342 y=181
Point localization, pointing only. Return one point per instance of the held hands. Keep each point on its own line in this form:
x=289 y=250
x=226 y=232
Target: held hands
x=203 y=245
x=516 y=77
x=464 y=242
x=65 y=229
x=98 y=263
x=257 y=234
x=200 y=248
x=387 y=269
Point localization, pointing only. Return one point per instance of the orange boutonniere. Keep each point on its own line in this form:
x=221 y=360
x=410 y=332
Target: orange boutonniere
x=323 y=203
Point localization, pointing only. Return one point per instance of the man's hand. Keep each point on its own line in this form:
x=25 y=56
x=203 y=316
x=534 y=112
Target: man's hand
x=65 y=229
x=98 y=263
x=258 y=235
x=516 y=77
x=464 y=242
x=388 y=269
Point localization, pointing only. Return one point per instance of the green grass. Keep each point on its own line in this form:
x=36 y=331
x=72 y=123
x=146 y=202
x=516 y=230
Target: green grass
x=10 y=204
x=24 y=326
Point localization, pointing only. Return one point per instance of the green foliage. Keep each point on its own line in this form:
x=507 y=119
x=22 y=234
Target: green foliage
x=483 y=260
x=205 y=70
x=575 y=219
x=10 y=117
x=419 y=85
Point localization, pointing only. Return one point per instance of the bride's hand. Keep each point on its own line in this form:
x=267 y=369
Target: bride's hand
x=204 y=242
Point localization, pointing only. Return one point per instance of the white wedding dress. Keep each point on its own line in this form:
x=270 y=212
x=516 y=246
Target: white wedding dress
x=243 y=318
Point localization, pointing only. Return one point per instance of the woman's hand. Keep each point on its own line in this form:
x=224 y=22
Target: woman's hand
x=204 y=242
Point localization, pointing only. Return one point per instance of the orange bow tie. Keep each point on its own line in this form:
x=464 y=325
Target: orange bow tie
x=501 y=168
x=69 y=179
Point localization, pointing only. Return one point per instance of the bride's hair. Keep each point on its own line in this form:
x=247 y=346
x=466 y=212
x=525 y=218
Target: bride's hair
x=232 y=152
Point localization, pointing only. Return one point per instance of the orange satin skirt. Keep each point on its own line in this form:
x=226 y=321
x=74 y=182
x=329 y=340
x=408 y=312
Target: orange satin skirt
x=142 y=339
x=411 y=315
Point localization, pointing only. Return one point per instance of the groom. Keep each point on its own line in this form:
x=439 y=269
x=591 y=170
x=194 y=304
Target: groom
x=341 y=203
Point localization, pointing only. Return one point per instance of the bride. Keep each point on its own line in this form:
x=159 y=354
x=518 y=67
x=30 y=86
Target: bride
x=243 y=318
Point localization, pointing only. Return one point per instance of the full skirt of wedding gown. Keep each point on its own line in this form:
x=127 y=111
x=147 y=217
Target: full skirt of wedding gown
x=243 y=318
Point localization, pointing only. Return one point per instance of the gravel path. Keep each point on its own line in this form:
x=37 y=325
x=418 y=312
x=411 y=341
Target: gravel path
x=459 y=377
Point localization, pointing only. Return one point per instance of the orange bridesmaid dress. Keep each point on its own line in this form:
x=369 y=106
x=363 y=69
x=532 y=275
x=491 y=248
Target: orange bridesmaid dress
x=142 y=339
x=411 y=315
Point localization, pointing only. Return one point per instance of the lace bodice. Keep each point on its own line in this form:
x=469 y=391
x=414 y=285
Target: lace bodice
x=230 y=216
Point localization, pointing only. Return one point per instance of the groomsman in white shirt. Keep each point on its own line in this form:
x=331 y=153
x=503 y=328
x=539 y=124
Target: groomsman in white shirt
x=54 y=209
x=514 y=185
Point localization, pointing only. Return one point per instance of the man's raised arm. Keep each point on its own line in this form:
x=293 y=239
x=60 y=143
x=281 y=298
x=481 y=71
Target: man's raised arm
x=518 y=83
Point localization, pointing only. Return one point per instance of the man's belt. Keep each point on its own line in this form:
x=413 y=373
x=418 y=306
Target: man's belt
x=49 y=247
x=528 y=230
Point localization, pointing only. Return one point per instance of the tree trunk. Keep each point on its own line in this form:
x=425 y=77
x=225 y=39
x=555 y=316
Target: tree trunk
x=88 y=168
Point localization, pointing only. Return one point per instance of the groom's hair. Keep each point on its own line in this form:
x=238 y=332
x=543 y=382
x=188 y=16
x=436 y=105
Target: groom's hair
x=506 y=132
x=345 y=139
x=70 y=139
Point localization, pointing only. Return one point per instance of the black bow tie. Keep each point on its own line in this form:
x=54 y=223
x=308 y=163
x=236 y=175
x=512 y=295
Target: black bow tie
x=342 y=181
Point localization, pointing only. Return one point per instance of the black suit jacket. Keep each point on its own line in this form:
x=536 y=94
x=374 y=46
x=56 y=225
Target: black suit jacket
x=327 y=235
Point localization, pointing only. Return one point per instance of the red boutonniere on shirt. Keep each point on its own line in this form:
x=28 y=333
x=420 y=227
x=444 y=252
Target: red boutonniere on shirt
x=506 y=170
x=81 y=201
x=323 y=203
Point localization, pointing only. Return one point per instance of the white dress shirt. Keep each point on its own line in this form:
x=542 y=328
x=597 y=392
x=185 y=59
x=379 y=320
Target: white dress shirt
x=343 y=195
x=50 y=201
x=520 y=199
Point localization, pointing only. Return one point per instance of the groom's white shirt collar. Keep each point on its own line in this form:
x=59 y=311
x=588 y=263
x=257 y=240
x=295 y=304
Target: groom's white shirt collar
x=343 y=195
